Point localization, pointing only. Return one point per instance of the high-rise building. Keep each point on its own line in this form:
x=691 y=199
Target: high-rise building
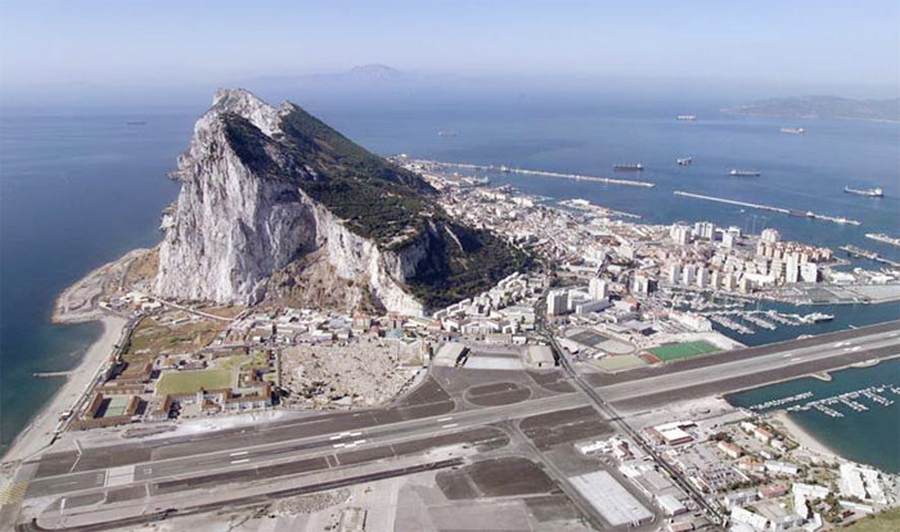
x=557 y=302
x=706 y=230
x=770 y=235
x=702 y=277
x=689 y=275
x=674 y=273
x=680 y=234
x=809 y=272
x=792 y=269
x=728 y=239
x=715 y=280
x=598 y=289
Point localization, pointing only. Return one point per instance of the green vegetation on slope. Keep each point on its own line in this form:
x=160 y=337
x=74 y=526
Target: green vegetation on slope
x=379 y=201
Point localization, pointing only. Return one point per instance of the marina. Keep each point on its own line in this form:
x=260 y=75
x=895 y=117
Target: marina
x=790 y=212
x=851 y=400
x=576 y=177
x=741 y=321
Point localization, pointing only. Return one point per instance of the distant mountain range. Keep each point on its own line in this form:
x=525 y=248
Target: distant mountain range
x=822 y=107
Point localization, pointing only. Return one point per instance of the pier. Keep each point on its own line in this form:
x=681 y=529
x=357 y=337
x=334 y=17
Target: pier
x=50 y=374
x=855 y=251
x=542 y=173
x=790 y=212
x=764 y=319
x=851 y=400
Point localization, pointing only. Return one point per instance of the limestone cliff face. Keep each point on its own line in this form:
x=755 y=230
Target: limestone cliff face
x=244 y=212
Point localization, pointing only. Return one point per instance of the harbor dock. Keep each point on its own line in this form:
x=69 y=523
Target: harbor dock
x=790 y=212
x=542 y=173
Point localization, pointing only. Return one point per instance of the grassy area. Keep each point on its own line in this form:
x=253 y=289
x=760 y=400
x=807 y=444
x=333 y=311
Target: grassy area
x=193 y=381
x=887 y=521
x=670 y=352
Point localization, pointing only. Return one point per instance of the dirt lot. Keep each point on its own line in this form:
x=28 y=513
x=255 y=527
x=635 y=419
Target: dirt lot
x=548 y=430
x=364 y=372
x=498 y=477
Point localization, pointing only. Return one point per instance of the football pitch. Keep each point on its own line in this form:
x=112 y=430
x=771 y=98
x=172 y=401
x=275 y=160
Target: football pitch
x=670 y=352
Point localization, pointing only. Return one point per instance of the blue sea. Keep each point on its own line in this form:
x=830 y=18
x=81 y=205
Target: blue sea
x=80 y=188
x=868 y=437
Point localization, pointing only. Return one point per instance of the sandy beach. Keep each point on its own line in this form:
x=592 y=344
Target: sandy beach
x=39 y=431
x=801 y=436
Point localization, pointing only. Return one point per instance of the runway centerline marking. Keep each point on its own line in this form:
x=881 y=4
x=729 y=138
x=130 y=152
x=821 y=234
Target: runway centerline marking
x=242 y=461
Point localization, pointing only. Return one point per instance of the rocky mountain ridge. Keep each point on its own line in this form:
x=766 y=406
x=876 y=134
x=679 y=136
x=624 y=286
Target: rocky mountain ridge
x=264 y=188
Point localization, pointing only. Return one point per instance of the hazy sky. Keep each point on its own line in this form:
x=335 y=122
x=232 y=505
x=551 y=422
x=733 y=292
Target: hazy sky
x=179 y=43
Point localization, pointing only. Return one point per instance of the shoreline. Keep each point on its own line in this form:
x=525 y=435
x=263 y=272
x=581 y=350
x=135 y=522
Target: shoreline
x=803 y=437
x=36 y=436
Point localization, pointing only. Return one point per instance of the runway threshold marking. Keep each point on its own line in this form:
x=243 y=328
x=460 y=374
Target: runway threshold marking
x=13 y=493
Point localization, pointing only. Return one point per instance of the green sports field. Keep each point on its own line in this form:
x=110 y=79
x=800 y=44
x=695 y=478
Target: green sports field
x=670 y=352
x=183 y=382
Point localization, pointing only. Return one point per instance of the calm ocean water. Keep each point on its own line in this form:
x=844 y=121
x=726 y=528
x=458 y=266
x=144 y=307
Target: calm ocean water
x=79 y=190
x=868 y=437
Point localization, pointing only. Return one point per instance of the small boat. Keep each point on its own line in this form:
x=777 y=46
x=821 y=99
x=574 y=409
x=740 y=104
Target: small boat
x=793 y=130
x=876 y=192
x=688 y=118
x=685 y=161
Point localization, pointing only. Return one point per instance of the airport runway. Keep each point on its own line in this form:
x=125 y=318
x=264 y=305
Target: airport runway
x=97 y=468
x=768 y=364
x=426 y=419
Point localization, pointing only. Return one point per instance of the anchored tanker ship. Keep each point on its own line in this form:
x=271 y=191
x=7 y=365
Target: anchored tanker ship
x=744 y=173
x=870 y=192
x=636 y=167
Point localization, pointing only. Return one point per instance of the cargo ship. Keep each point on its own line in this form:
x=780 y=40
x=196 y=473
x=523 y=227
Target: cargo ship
x=793 y=130
x=636 y=167
x=685 y=161
x=744 y=173
x=868 y=192
x=689 y=118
